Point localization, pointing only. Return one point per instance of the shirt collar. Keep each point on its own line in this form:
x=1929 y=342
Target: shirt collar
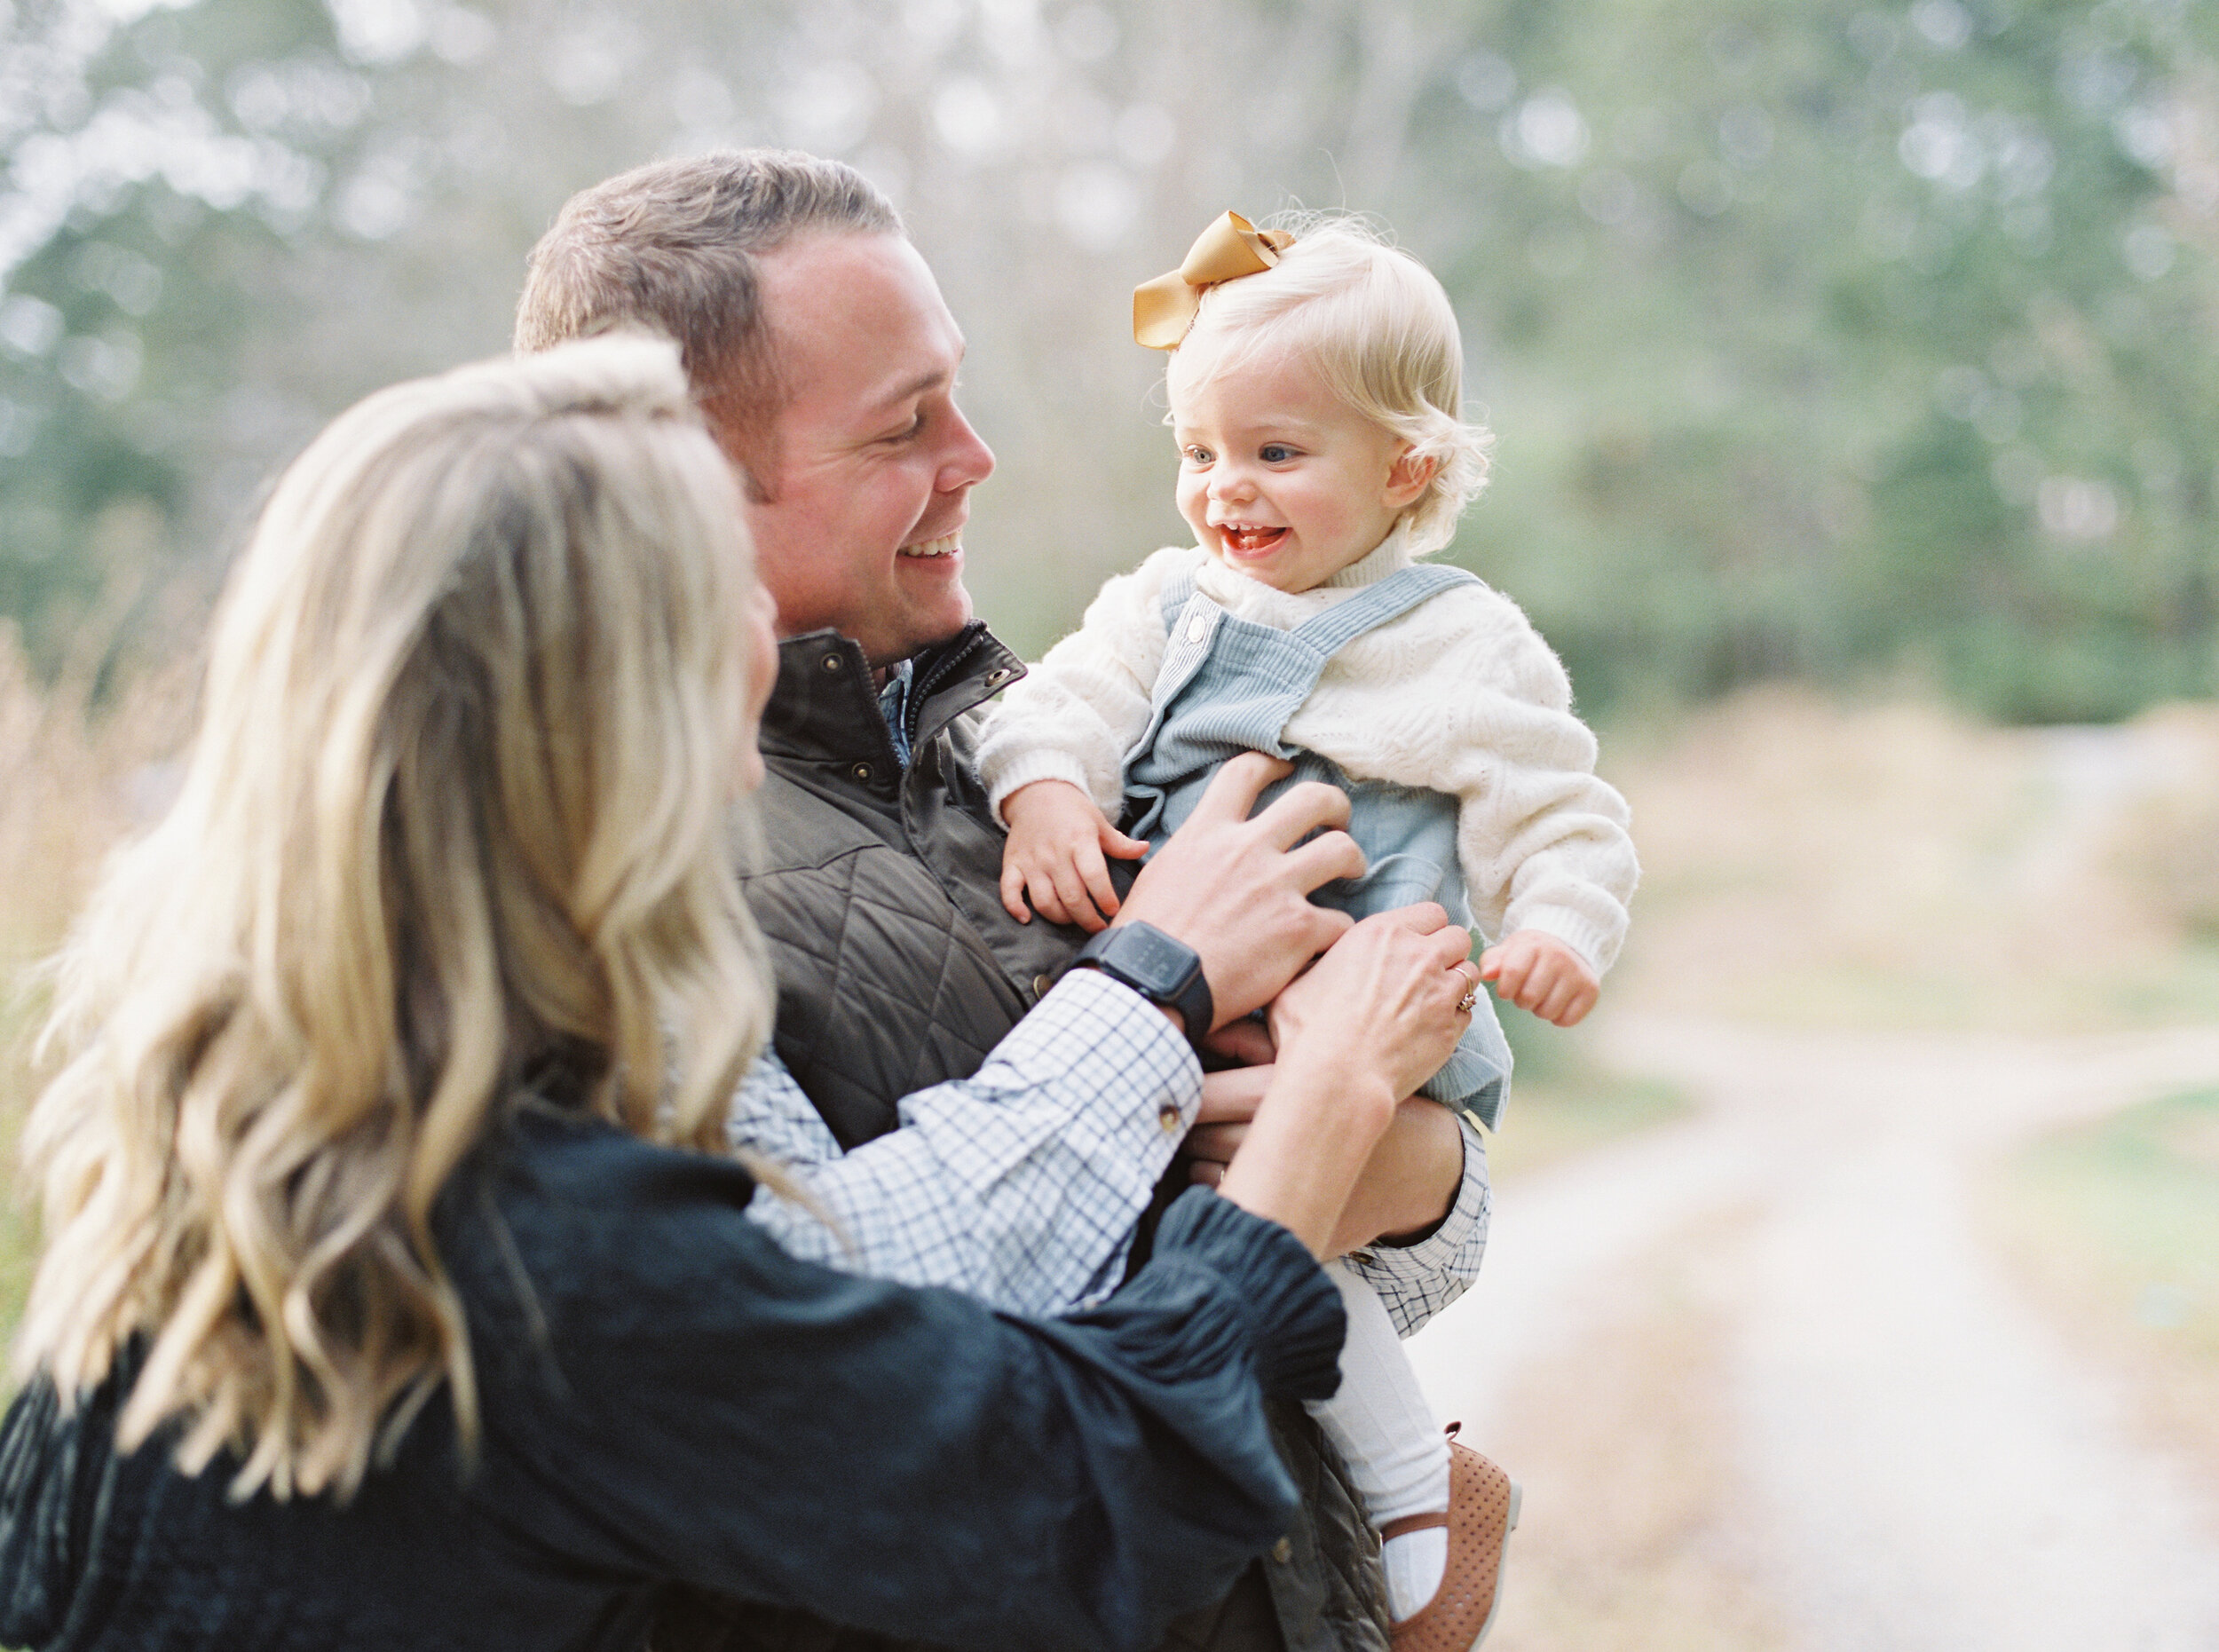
x=1388 y=555
x=894 y=705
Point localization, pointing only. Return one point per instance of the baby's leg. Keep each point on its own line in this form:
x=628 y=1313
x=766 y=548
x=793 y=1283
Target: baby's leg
x=1384 y=1431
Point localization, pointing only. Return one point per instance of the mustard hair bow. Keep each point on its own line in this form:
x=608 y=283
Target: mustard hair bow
x=1232 y=247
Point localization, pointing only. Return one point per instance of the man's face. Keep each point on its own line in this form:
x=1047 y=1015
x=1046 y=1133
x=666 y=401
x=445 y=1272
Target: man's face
x=872 y=464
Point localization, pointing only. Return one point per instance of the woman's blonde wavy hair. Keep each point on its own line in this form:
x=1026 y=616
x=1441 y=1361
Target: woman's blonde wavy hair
x=1377 y=327
x=456 y=828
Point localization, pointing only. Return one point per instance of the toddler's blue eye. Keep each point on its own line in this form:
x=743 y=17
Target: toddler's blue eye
x=1273 y=452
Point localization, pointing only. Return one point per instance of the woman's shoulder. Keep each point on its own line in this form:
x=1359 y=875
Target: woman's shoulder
x=568 y=1216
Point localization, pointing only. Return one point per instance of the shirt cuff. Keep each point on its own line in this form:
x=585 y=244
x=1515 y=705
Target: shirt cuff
x=1080 y=1003
x=1595 y=941
x=1044 y=764
x=1293 y=1312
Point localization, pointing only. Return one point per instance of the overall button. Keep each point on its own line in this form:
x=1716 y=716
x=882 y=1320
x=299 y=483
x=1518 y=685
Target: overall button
x=1197 y=628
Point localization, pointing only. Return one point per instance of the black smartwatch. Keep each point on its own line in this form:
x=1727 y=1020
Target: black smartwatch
x=1159 y=968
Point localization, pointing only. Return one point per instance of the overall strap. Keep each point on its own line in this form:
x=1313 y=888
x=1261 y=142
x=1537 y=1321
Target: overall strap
x=1176 y=590
x=1185 y=646
x=1377 y=603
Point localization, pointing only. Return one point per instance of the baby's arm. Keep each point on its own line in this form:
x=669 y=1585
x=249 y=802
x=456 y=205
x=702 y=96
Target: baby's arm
x=1547 y=862
x=1055 y=855
x=1558 y=864
x=1073 y=717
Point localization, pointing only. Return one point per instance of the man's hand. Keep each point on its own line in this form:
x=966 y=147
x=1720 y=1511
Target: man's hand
x=1058 y=840
x=1535 y=971
x=1237 y=890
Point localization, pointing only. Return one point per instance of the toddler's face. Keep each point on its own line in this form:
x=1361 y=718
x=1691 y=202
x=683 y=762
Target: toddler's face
x=1277 y=477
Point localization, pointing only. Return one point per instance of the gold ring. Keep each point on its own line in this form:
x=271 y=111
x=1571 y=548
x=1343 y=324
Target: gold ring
x=1465 y=1005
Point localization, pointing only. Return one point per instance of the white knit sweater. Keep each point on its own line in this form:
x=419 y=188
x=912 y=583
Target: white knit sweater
x=1460 y=695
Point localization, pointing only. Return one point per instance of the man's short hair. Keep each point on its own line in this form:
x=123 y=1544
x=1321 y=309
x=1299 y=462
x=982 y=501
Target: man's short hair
x=673 y=245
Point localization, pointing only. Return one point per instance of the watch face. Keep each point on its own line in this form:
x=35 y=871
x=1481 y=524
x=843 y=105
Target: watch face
x=1150 y=952
x=1154 y=964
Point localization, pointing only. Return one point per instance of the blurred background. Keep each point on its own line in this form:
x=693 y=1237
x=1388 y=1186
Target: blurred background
x=1856 y=1275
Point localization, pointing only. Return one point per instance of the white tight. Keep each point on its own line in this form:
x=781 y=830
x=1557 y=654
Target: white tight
x=1379 y=1421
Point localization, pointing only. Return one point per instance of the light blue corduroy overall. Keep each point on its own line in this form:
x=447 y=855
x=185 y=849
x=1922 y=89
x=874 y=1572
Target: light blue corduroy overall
x=1229 y=685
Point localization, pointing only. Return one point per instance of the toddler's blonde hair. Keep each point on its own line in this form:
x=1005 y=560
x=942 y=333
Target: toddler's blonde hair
x=1377 y=326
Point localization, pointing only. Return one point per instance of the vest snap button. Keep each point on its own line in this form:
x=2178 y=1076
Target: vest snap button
x=832 y=662
x=1282 y=1551
x=861 y=772
x=995 y=679
x=1040 y=985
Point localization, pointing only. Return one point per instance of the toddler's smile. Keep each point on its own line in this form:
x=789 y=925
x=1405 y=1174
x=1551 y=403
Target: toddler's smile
x=1278 y=477
x=1245 y=539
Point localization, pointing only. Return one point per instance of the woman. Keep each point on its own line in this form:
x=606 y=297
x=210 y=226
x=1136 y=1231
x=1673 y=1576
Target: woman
x=394 y=1294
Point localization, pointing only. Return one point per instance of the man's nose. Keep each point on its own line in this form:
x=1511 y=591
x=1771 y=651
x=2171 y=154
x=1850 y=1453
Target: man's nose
x=967 y=461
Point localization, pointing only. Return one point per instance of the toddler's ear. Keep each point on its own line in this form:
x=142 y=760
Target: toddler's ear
x=1408 y=477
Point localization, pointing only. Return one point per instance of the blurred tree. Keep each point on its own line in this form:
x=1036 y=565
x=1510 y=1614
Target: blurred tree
x=1828 y=339
x=1823 y=338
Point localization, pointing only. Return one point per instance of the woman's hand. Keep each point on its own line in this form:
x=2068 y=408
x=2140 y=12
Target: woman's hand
x=1369 y=1023
x=1387 y=1003
x=1237 y=890
x=1408 y=1184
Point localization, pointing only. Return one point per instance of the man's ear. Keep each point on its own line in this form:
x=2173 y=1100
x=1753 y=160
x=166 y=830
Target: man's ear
x=1408 y=477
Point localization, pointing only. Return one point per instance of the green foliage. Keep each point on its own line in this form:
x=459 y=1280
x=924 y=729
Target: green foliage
x=1826 y=339
x=1857 y=339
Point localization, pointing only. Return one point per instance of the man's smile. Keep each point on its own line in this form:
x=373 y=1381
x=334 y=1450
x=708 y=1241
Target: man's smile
x=946 y=545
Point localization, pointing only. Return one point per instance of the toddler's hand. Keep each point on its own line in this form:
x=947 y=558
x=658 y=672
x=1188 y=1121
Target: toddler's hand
x=1537 y=972
x=1057 y=841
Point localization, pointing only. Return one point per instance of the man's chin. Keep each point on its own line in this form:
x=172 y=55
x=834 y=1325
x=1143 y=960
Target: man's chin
x=925 y=631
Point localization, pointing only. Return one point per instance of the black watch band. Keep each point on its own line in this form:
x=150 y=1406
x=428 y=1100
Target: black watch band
x=1163 y=970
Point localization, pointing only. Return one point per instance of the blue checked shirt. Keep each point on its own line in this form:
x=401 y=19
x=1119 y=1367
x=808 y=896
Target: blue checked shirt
x=1021 y=1184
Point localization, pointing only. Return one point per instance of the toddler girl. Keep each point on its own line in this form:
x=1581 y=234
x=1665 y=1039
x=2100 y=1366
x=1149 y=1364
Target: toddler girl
x=1315 y=390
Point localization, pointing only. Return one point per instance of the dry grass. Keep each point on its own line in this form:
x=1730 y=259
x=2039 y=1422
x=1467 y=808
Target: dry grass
x=1573 y=1109
x=1629 y=1541
x=2113 y=1228
x=1897 y=866
x=77 y=776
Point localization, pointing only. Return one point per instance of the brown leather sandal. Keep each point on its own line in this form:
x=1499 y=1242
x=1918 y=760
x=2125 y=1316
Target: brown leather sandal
x=1484 y=1504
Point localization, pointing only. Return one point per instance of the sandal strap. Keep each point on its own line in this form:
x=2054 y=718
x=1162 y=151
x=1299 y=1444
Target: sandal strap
x=1411 y=1523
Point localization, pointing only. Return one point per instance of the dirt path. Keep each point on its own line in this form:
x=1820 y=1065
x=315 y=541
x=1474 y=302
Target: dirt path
x=1919 y=1460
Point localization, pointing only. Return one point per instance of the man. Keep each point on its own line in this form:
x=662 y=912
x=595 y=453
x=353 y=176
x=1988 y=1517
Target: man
x=826 y=360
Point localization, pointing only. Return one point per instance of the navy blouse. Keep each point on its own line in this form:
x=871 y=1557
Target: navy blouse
x=671 y=1401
